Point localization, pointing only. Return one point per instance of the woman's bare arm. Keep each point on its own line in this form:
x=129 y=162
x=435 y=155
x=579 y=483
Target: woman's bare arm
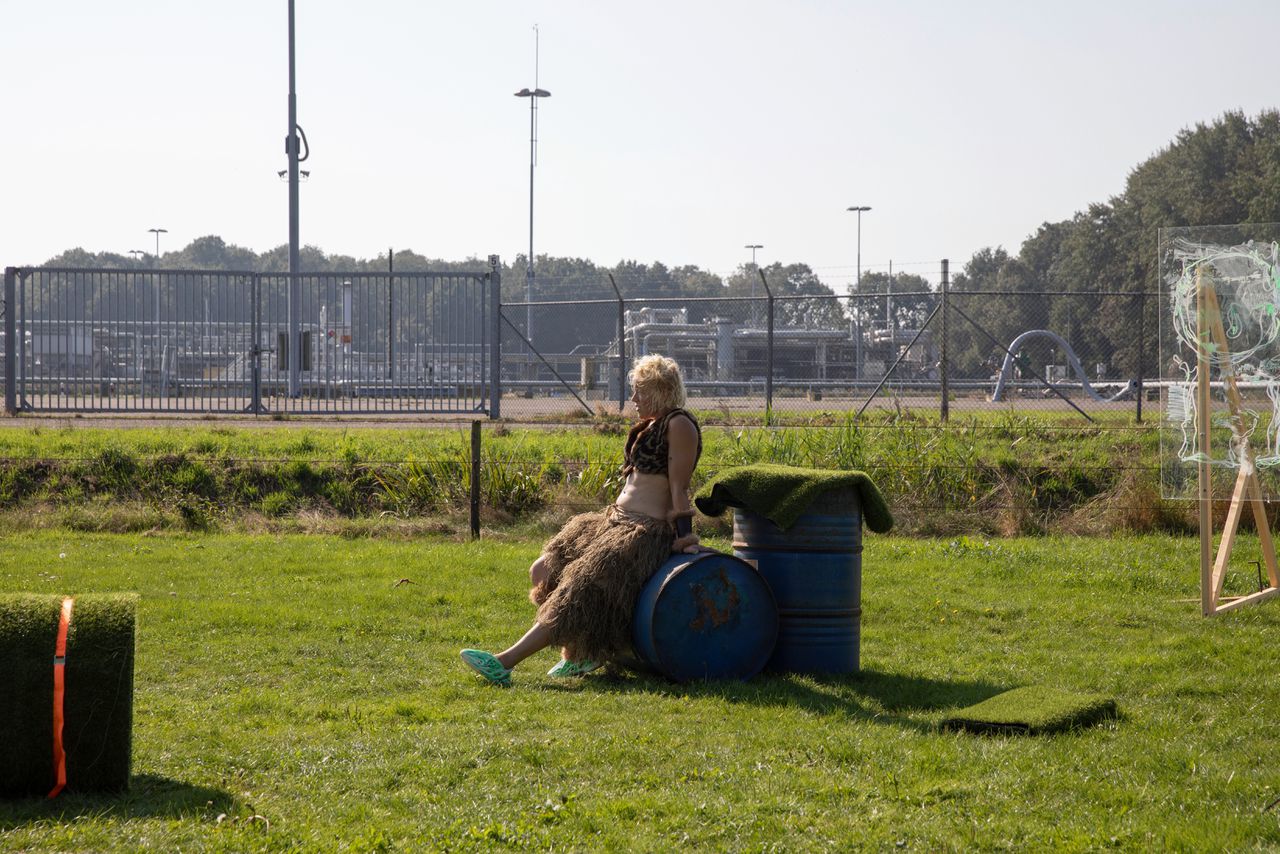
x=682 y=456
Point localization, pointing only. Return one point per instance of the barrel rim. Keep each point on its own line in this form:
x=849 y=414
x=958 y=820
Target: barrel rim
x=856 y=550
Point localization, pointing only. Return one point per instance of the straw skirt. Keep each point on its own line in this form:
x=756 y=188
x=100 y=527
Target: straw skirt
x=597 y=566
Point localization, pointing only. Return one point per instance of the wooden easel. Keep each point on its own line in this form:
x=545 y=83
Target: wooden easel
x=1213 y=569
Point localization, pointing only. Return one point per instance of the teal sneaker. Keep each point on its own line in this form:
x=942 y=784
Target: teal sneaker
x=566 y=668
x=487 y=665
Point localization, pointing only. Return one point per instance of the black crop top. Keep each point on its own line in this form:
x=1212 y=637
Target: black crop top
x=647 y=445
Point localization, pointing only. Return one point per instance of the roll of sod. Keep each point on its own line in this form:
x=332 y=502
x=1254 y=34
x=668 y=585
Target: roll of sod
x=97 y=700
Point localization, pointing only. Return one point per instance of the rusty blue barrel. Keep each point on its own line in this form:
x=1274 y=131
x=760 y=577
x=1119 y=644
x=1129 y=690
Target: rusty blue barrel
x=705 y=616
x=815 y=571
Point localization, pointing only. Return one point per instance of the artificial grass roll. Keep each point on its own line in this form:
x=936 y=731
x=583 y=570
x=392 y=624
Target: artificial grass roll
x=782 y=494
x=98 y=697
x=1032 y=710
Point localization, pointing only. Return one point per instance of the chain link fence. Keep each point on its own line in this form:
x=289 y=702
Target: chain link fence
x=779 y=357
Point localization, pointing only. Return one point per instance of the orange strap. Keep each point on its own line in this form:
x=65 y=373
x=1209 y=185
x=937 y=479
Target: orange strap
x=59 y=689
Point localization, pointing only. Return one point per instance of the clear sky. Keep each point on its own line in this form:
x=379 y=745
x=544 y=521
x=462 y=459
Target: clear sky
x=676 y=131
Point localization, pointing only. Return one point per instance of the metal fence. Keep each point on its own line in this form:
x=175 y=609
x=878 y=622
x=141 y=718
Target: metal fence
x=941 y=351
x=204 y=341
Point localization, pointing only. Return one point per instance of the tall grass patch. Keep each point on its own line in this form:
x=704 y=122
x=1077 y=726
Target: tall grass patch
x=999 y=473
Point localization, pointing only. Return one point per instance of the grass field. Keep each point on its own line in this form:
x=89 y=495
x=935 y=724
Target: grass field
x=290 y=696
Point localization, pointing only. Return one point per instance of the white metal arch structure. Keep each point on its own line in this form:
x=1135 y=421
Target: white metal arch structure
x=1006 y=370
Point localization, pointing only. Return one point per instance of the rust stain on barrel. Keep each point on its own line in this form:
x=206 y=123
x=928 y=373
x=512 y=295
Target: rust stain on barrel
x=707 y=609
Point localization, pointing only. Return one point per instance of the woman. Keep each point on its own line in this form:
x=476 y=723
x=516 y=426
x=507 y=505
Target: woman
x=588 y=577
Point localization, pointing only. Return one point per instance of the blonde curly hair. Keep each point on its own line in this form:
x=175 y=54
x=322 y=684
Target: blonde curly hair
x=659 y=378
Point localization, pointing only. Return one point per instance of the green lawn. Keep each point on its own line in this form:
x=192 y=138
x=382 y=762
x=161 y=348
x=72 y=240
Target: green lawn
x=290 y=696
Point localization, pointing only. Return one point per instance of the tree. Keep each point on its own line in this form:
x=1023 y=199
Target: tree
x=824 y=311
x=213 y=253
x=996 y=298
x=906 y=299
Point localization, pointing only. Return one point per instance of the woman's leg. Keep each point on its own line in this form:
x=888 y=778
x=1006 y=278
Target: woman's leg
x=539 y=572
x=537 y=638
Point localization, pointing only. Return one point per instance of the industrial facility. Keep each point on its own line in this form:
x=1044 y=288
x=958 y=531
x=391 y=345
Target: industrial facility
x=722 y=356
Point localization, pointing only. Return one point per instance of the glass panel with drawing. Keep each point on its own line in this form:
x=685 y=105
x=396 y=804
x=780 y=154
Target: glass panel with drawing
x=1220 y=317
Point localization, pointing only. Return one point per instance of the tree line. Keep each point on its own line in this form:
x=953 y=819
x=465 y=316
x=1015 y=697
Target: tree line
x=1223 y=172
x=1090 y=278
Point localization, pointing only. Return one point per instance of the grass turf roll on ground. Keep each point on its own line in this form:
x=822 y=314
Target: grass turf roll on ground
x=98 y=699
x=1032 y=710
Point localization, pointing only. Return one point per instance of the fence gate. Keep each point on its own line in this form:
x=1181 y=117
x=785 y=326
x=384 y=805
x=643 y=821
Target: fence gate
x=80 y=340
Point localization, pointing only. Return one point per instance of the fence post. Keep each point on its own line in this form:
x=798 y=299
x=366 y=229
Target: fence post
x=391 y=316
x=622 y=347
x=475 y=480
x=10 y=341
x=22 y=339
x=1142 y=346
x=768 y=368
x=255 y=327
x=495 y=343
x=942 y=362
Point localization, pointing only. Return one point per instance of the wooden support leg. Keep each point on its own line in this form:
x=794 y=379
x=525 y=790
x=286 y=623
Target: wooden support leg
x=1264 y=531
x=1247 y=488
x=1229 y=530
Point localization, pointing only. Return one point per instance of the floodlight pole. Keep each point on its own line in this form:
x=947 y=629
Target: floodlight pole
x=857 y=370
x=753 y=247
x=291 y=146
x=859 y=209
x=888 y=302
x=533 y=95
x=157 y=232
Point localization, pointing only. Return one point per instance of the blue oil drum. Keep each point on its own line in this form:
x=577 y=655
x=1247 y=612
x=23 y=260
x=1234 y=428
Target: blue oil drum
x=815 y=571
x=705 y=616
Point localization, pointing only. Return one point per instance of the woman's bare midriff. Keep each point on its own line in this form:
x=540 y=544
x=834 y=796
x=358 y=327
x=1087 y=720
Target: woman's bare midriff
x=649 y=494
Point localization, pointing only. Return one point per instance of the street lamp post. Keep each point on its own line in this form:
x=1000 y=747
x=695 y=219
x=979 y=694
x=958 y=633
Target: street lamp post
x=858 y=287
x=888 y=299
x=753 y=247
x=533 y=95
x=156 y=285
x=138 y=254
x=859 y=209
x=157 y=232
x=297 y=149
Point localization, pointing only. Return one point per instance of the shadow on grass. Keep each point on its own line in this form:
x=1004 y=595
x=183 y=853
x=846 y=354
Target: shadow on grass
x=149 y=796
x=871 y=695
